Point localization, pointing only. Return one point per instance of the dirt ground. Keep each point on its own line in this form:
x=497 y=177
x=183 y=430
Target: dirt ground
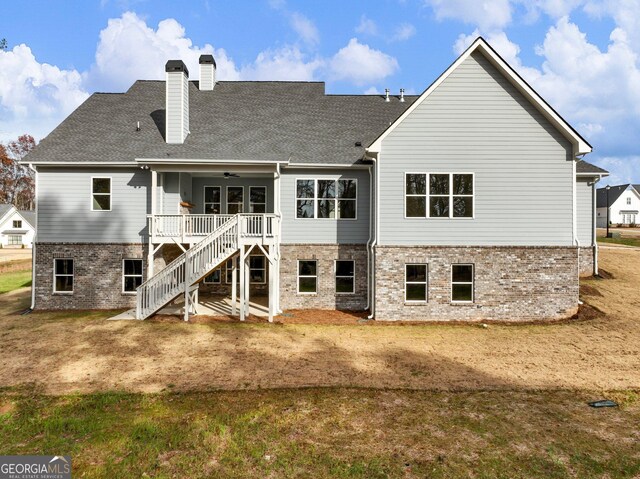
x=624 y=232
x=63 y=352
x=13 y=254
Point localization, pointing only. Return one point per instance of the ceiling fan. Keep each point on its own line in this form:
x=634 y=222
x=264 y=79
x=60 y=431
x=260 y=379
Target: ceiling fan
x=228 y=175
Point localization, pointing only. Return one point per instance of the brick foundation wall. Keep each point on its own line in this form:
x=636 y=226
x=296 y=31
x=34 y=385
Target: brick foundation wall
x=98 y=275
x=511 y=283
x=586 y=261
x=326 y=297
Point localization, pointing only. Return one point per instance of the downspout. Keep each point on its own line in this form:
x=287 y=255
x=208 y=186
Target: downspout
x=594 y=239
x=576 y=242
x=371 y=270
x=279 y=213
x=33 y=246
x=371 y=238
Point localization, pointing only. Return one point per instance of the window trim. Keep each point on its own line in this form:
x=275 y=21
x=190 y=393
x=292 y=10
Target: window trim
x=19 y=225
x=252 y=203
x=141 y=275
x=73 y=276
x=335 y=276
x=316 y=200
x=205 y=203
x=427 y=196
x=11 y=240
x=226 y=198
x=628 y=200
x=472 y=283
x=219 y=268
x=264 y=277
x=110 y=194
x=298 y=276
x=228 y=272
x=425 y=283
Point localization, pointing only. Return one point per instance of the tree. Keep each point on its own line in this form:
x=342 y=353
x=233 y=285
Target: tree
x=3 y=44
x=17 y=184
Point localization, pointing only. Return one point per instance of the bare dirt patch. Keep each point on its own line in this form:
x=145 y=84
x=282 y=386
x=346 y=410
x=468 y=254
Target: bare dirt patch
x=65 y=352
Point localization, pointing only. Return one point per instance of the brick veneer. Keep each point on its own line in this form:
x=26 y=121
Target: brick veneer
x=98 y=275
x=511 y=283
x=586 y=260
x=325 y=255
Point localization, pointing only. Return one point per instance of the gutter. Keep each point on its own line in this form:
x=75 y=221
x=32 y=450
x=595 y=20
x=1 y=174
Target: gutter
x=33 y=245
x=373 y=236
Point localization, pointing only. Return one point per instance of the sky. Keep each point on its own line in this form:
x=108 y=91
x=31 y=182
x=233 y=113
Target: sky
x=580 y=55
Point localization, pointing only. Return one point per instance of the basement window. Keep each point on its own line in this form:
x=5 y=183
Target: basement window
x=63 y=274
x=415 y=283
x=214 y=277
x=257 y=269
x=100 y=194
x=131 y=275
x=307 y=277
x=345 y=276
x=462 y=278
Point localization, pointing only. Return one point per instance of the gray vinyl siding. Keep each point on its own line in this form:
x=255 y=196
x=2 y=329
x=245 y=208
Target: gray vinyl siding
x=199 y=183
x=64 y=206
x=328 y=231
x=584 y=210
x=477 y=122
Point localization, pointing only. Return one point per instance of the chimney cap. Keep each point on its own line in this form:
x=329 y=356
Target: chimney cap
x=176 y=66
x=205 y=59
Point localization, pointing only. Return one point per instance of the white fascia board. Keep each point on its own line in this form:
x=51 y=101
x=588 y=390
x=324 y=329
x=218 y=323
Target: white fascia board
x=593 y=175
x=327 y=165
x=83 y=163
x=11 y=210
x=210 y=161
x=581 y=146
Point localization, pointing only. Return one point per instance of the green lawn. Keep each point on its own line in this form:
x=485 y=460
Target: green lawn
x=14 y=280
x=624 y=241
x=324 y=433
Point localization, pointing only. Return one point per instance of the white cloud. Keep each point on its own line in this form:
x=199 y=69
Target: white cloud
x=305 y=28
x=372 y=91
x=498 y=40
x=622 y=169
x=403 y=32
x=367 y=26
x=129 y=50
x=361 y=64
x=287 y=63
x=34 y=96
x=487 y=15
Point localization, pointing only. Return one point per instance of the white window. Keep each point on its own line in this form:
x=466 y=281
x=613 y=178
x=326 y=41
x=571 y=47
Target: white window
x=17 y=223
x=415 y=282
x=235 y=199
x=345 y=276
x=229 y=270
x=462 y=283
x=131 y=275
x=101 y=194
x=214 y=277
x=307 y=277
x=212 y=200
x=257 y=269
x=15 y=239
x=439 y=195
x=63 y=275
x=257 y=199
x=629 y=200
x=326 y=198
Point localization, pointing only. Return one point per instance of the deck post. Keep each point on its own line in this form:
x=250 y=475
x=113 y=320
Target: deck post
x=272 y=284
x=242 y=284
x=234 y=286
x=247 y=277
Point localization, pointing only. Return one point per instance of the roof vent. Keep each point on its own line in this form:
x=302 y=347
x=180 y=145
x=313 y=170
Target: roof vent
x=402 y=94
x=358 y=143
x=386 y=94
x=207 y=72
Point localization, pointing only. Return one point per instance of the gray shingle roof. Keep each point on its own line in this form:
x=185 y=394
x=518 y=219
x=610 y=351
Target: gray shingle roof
x=4 y=208
x=584 y=167
x=268 y=121
x=29 y=216
x=614 y=194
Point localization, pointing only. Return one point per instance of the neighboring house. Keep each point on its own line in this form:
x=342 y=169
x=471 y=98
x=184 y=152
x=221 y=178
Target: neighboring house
x=17 y=227
x=624 y=205
x=466 y=202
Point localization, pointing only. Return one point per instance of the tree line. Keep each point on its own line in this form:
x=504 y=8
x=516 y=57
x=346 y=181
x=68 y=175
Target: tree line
x=17 y=181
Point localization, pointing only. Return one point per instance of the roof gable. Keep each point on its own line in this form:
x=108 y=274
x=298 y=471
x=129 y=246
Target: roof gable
x=581 y=146
x=5 y=209
x=615 y=192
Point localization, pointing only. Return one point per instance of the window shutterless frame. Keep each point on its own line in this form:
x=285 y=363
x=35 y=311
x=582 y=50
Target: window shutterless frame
x=213 y=204
x=17 y=223
x=94 y=196
x=239 y=203
x=134 y=276
x=63 y=274
x=466 y=284
x=257 y=206
x=343 y=277
x=416 y=283
x=215 y=277
x=450 y=195
x=314 y=277
x=336 y=200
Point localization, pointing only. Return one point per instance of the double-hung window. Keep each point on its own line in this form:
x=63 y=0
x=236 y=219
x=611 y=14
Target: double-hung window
x=63 y=275
x=415 y=282
x=325 y=198
x=307 y=277
x=257 y=269
x=17 y=223
x=235 y=199
x=213 y=277
x=131 y=275
x=345 y=276
x=257 y=199
x=101 y=194
x=229 y=270
x=439 y=195
x=212 y=200
x=462 y=283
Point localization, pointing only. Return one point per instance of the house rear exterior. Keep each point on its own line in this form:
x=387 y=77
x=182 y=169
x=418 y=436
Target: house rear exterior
x=468 y=202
